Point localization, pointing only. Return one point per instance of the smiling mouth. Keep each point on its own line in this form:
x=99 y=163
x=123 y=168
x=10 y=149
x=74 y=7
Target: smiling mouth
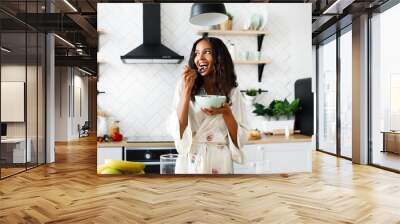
x=202 y=67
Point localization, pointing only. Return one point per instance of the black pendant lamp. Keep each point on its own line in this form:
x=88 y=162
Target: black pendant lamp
x=208 y=14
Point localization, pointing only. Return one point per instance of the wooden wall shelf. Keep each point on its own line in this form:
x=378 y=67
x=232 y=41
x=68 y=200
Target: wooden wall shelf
x=252 y=62
x=259 y=33
x=260 y=37
x=234 y=32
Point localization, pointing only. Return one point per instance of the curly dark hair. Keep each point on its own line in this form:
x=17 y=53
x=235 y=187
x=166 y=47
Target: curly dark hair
x=224 y=77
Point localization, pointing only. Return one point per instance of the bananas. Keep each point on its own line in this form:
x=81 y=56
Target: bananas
x=115 y=166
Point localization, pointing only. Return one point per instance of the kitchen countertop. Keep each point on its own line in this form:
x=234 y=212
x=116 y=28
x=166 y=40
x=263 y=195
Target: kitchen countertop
x=274 y=139
x=134 y=144
x=270 y=139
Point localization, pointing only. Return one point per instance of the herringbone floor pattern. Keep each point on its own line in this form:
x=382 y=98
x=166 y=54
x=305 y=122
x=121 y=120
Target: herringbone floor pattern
x=69 y=191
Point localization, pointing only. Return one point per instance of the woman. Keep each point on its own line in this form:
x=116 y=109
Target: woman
x=208 y=140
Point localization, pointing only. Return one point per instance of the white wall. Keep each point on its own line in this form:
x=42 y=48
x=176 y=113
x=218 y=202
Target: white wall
x=61 y=103
x=140 y=95
x=80 y=110
x=68 y=83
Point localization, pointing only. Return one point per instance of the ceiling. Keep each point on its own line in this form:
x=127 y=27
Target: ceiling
x=76 y=22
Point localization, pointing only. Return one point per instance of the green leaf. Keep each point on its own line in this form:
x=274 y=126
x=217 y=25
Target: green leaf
x=269 y=112
x=295 y=106
x=251 y=92
x=278 y=108
x=259 y=109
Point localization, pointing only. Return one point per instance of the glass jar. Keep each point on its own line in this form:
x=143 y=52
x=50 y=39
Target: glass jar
x=114 y=128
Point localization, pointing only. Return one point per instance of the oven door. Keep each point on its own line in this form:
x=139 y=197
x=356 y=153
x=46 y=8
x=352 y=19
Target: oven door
x=149 y=156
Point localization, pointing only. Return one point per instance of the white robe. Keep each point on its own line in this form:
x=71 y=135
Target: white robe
x=206 y=146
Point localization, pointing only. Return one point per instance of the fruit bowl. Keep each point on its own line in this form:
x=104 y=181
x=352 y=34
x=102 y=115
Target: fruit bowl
x=210 y=101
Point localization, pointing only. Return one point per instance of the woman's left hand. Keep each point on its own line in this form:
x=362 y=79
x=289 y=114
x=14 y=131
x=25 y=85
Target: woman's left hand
x=225 y=110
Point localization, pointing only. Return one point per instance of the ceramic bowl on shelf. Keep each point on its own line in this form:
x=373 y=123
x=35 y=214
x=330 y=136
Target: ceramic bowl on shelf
x=209 y=101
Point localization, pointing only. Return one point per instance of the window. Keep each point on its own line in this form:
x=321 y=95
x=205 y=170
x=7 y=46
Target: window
x=327 y=97
x=22 y=76
x=346 y=94
x=385 y=89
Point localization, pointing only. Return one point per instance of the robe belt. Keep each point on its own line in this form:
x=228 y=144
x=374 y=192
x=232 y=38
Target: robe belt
x=205 y=141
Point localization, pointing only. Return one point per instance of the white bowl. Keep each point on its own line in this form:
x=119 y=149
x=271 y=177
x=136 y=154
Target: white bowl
x=209 y=101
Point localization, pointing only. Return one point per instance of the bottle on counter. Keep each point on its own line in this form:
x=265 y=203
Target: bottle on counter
x=114 y=128
x=115 y=134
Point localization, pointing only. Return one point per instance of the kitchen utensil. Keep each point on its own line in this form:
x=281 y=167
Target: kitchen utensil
x=209 y=101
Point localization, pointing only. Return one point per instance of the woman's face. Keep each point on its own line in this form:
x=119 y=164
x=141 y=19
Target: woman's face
x=203 y=57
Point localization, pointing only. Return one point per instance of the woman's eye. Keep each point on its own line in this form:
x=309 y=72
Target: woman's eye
x=207 y=52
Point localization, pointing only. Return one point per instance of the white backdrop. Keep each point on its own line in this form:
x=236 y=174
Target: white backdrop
x=140 y=96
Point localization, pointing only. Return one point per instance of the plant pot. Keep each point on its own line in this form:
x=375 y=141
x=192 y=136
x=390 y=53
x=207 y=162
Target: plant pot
x=278 y=126
x=227 y=25
x=249 y=99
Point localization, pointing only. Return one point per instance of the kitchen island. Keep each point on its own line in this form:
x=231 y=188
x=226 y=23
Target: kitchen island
x=270 y=154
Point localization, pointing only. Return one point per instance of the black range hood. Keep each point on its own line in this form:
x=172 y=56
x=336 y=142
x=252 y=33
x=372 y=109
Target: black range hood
x=152 y=51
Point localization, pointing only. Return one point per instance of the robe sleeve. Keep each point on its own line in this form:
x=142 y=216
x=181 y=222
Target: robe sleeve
x=183 y=144
x=239 y=112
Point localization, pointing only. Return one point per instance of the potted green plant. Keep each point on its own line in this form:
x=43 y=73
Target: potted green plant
x=279 y=115
x=250 y=95
x=227 y=25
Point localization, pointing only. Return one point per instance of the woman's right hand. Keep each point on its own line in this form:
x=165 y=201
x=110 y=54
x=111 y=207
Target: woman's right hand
x=188 y=77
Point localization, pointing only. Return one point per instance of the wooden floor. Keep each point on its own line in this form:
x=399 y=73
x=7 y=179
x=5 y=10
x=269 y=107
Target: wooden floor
x=10 y=171
x=69 y=191
x=387 y=159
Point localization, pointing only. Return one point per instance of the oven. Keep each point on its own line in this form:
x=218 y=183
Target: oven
x=150 y=156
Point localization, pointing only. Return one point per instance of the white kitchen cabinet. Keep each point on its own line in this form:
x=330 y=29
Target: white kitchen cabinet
x=114 y=153
x=276 y=158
